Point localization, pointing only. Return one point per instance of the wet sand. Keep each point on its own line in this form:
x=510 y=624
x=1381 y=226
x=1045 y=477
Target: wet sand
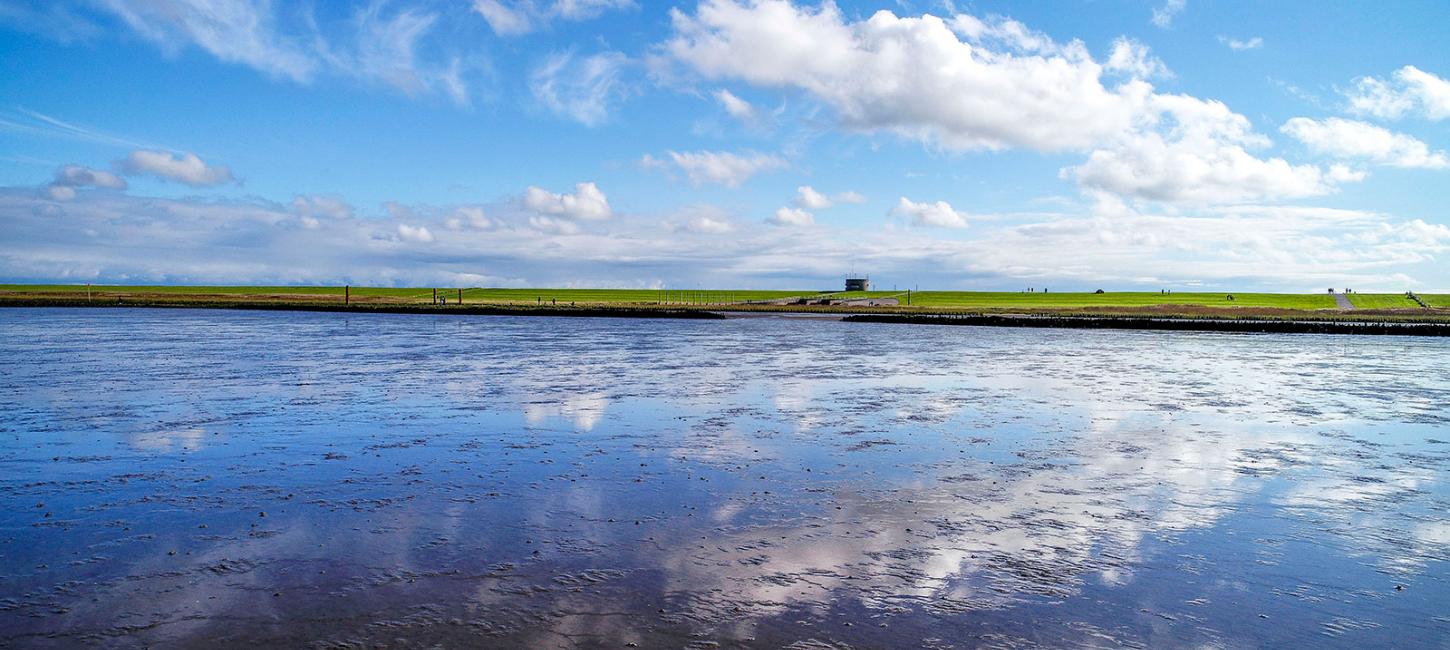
x=218 y=478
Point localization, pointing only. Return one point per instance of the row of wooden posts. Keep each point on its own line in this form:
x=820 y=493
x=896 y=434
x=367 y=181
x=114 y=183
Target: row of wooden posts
x=438 y=299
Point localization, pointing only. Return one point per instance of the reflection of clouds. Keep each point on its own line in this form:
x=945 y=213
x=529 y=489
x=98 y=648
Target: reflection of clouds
x=583 y=410
x=796 y=399
x=1370 y=503
x=159 y=441
x=1002 y=467
x=987 y=534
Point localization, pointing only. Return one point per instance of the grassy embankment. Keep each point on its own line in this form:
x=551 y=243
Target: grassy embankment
x=1148 y=303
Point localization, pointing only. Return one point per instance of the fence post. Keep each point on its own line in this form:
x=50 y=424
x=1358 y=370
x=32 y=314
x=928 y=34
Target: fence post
x=346 y=294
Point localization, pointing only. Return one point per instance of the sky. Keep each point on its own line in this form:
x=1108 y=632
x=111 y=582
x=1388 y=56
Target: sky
x=1068 y=145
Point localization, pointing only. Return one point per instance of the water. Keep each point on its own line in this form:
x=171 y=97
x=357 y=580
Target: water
x=217 y=478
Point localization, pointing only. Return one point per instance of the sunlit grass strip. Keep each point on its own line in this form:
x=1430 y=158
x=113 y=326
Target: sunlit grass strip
x=1382 y=301
x=990 y=300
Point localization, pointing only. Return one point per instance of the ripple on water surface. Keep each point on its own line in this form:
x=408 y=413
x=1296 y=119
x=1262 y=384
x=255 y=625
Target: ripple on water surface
x=172 y=476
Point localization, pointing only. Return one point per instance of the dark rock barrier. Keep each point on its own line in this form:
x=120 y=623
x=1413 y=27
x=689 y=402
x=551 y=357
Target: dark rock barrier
x=1181 y=324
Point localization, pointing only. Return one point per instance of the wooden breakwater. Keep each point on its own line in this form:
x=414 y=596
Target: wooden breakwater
x=1391 y=328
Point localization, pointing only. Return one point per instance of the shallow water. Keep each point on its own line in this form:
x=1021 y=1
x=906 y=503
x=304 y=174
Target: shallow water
x=174 y=477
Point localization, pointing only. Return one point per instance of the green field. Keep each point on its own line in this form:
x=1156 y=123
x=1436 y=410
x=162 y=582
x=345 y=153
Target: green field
x=1382 y=301
x=955 y=300
x=1018 y=300
x=625 y=295
x=1438 y=300
x=470 y=295
x=392 y=292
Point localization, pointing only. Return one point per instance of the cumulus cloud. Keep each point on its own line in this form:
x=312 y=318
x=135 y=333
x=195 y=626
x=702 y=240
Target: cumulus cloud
x=937 y=215
x=70 y=177
x=1410 y=90
x=1351 y=139
x=735 y=106
x=1238 y=45
x=419 y=234
x=518 y=17
x=1002 y=87
x=583 y=89
x=706 y=223
x=968 y=83
x=80 y=176
x=311 y=211
x=808 y=197
x=469 y=218
x=1133 y=58
x=791 y=217
x=1163 y=16
x=1200 y=155
x=180 y=167
x=587 y=203
x=720 y=167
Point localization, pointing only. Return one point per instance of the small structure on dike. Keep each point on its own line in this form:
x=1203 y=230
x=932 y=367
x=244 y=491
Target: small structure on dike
x=858 y=284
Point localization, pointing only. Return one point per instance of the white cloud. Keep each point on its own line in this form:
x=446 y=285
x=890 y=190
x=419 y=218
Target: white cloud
x=311 y=211
x=583 y=89
x=184 y=168
x=80 y=176
x=1163 y=16
x=1132 y=58
x=850 y=196
x=1410 y=90
x=60 y=192
x=968 y=84
x=586 y=203
x=69 y=177
x=113 y=236
x=735 y=106
x=939 y=214
x=518 y=17
x=419 y=234
x=1199 y=155
x=469 y=217
x=792 y=217
x=808 y=197
x=241 y=31
x=1238 y=45
x=709 y=224
x=1002 y=87
x=1351 y=139
x=721 y=167
x=505 y=20
x=372 y=44
x=553 y=226
x=386 y=50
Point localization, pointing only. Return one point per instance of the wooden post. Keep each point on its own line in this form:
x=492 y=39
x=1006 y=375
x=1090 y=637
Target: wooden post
x=346 y=294
x=435 y=295
x=88 y=292
x=460 y=295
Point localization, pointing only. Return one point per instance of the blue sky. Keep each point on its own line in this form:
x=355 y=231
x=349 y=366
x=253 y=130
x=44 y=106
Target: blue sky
x=1286 y=146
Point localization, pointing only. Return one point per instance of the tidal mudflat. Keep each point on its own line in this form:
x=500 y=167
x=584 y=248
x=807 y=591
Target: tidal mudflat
x=220 y=478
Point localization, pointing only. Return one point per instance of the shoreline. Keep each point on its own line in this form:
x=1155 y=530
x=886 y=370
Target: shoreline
x=1242 y=325
x=366 y=308
x=1125 y=321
